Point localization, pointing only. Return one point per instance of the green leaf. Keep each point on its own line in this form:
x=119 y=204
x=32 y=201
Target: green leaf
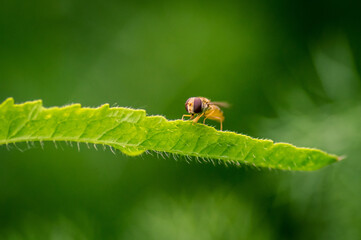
x=132 y=132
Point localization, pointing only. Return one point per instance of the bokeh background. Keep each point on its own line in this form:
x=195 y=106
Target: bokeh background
x=290 y=69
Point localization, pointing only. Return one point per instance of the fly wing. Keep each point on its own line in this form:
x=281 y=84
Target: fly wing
x=221 y=104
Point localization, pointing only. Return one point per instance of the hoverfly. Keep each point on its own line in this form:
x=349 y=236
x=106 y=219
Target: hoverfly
x=201 y=106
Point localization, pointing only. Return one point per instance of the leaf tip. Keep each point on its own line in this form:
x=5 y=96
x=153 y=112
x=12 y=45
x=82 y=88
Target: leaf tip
x=340 y=158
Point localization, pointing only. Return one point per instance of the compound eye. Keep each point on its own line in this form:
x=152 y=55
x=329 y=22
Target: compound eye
x=197 y=105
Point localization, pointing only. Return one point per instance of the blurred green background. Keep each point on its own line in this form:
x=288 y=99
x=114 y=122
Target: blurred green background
x=290 y=69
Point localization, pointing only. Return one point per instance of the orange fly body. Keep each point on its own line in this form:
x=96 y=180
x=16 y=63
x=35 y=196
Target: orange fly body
x=198 y=107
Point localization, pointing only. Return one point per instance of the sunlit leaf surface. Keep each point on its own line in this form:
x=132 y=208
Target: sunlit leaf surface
x=132 y=132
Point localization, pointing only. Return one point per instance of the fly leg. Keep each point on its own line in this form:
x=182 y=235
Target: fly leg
x=185 y=115
x=197 y=118
x=218 y=119
x=206 y=116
